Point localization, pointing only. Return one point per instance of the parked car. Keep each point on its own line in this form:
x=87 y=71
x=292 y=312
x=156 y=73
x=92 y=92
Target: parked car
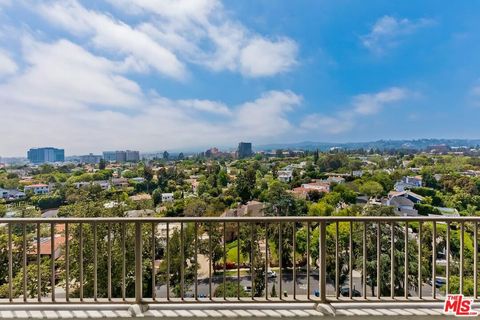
x=345 y=291
x=247 y=289
x=271 y=274
x=439 y=282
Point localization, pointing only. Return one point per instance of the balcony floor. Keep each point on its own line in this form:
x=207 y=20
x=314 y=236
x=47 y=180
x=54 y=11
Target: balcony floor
x=228 y=311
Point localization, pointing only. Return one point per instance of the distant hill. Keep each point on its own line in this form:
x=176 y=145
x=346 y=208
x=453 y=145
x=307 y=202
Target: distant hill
x=418 y=144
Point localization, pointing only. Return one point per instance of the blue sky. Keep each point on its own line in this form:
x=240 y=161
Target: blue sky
x=180 y=74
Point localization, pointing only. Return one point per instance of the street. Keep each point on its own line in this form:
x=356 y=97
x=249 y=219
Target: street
x=287 y=285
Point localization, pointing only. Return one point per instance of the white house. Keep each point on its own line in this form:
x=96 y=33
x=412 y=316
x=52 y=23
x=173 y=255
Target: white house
x=104 y=184
x=408 y=183
x=336 y=179
x=285 y=175
x=37 y=188
x=167 y=197
x=11 y=194
x=357 y=173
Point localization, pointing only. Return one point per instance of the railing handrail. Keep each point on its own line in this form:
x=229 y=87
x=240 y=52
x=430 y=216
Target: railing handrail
x=244 y=219
x=285 y=236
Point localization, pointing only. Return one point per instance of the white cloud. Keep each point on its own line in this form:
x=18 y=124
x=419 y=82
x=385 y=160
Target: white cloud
x=206 y=105
x=366 y=104
x=266 y=116
x=64 y=76
x=362 y=105
x=4 y=3
x=184 y=11
x=474 y=94
x=171 y=33
x=475 y=91
x=84 y=102
x=111 y=34
x=7 y=65
x=265 y=58
x=388 y=32
x=201 y=32
x=66 y=96
x=327 y=124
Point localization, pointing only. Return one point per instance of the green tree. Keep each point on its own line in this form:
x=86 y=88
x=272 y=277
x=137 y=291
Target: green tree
x=371 y=189
x=249 y=246
x=231 y=290
x=222 y=178
x=320 y=209
x=102 y=164
x=245 y=184
x=157 y=197
x=177 y=264
x=195 y=207
x=47 y=201
x=32 y=284
x=148 y=176
x=315 y=156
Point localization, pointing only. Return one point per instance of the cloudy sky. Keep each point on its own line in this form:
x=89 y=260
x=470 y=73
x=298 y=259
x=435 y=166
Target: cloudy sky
x=180 y=74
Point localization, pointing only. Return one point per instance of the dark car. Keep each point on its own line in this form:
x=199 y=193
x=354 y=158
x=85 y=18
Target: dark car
x=345 y=291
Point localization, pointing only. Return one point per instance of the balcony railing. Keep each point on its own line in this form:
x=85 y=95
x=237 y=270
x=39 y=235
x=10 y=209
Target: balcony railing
x=249 y=259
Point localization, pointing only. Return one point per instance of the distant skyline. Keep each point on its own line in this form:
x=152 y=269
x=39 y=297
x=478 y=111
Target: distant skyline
x=151 y=75
x=417 y=144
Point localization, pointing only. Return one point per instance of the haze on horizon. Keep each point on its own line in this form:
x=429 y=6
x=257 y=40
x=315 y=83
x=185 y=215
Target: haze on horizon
x=152 y=75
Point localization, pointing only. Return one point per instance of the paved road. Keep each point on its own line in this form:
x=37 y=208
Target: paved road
x=301 y=285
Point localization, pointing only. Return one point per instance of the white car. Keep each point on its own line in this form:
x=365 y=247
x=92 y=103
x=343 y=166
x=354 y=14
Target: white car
x=271 y=274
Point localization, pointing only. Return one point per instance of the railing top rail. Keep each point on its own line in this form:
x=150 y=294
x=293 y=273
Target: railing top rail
x=241 y=219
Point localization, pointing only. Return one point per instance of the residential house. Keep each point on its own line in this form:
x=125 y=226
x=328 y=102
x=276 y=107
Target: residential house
x=250 y=209
x=37 y=189
x=357 y=173
x=285 y=175
x=46 y=244
x=167 y=197
x=11 y=194
x=120 y=182
x=403 y=202
x=449 y=212
x=336 y=179
x=408 y=183
x=304 y=189
x=104 y=184
x=162 y=229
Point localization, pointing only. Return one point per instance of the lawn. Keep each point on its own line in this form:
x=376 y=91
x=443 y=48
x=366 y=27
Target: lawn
x=232 y=253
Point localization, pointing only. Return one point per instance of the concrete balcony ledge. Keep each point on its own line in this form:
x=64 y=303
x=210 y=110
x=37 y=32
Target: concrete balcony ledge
x=366 y=310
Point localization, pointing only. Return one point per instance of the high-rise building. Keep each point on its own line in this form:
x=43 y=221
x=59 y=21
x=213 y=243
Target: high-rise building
x=109 y=156
x=90 y=158
x=121 y=156
x=132 y=156
x=45 y=155
x=244 y=150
